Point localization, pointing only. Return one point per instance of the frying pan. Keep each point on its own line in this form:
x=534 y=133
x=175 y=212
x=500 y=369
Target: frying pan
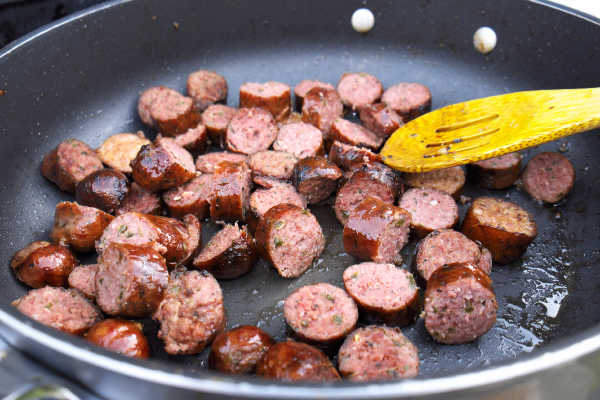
x=81 y=78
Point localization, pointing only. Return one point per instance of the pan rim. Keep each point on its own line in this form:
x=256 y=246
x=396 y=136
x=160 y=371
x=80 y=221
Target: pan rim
x=555 y=355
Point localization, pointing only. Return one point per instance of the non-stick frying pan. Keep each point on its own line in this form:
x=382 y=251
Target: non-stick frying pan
x=81 y=78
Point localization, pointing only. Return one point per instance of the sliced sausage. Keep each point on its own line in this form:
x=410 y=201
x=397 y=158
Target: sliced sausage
x=504 y=228
x=377 y=231
x=231 y=192
x=145 y=101
x=460 y=304
x=192 y=313
x=140 y=200
x=300 y=139
x=498 y=172
x=321 y=107
x=83 y=278
x=346 y=156
x=376 y=353
x=272 y=164
x=168 y=110
x=119 y=150
x=409 y=100
x=41 y=263
x=103 y=189
x=162 y=165
x=293 y=118
x=238 y=351
x=251 y=130
x=194 y=140
x=190 y=198
x=175 y=240
x=272 y=96
x=348 y=132
x=262 y=200
x=216 y=118
x=206 y=88
x=379 y=172
x=78 y=227
x=320 y=313
x=229 y=254
x=290 y=238
x=69 y=163
x=207 y=163
x=384 y=291
x=294 y=361
x=548 y=177
x=306 y=86
x=430 y=210
x=446 y=246
x=380 y=119
x=121 y=336
x=450 y=180
x=130 y=280
x=59 y=308
x=359 y=89
x=316 y=178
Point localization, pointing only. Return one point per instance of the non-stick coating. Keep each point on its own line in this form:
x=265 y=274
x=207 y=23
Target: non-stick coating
x=83 y=79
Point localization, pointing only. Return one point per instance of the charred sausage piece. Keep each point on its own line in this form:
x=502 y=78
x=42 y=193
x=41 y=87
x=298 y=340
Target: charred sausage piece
x=383 y=291
x=238 y=351
x=379 y=172
x=83 y=278
x=290 y=238
x=229 y=254
x=320 y=313
x=380 y=119
x=119 y=150
x=78 y=227
x=409 y=100
x=450 y=180
x=262 y=200
x=251 y=130
x=231 y=192
x=430 y=210
x=548 y=177
x=504 y=228
x=162 y=165
x=272 y=96
x=69 y=163
x=171 y=112
x=103 y=189
x=216 y=118
x=376 y=353
x=190 y=198
x=377 y=231
x=145 y=101
x=346 y=156
x=306 y=86
x=121 y=336
x=140 y=200
x=321 y=107
x=130 y=280
x=359 y=89
x=192 y=313
x=273 y=164
x=498 y=172
x=59 y=308
x=316 y=178
x=300 y=139
x=193 y=140
x=46 y=264
x=206 y=88
x=446 y=246
x=460 y=304
x=207 y=163
x=175 y=240
x=348 y=132
x=294 y=361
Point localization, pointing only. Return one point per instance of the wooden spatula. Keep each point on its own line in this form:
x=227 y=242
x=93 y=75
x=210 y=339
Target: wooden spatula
x=478 y=129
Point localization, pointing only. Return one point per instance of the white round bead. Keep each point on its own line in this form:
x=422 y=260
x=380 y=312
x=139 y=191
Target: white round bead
x=484 y=39
x=363 y=20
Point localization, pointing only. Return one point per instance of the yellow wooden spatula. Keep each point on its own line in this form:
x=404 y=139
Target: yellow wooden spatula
x=478 y=129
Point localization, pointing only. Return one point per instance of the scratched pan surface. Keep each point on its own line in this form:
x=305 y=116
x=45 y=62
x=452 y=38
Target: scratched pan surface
x=82 y=80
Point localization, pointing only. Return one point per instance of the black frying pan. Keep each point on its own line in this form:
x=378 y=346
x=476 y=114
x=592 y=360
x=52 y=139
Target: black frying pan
x=81 y=78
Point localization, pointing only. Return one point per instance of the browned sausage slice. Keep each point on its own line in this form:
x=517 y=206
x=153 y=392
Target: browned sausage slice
x=316 y=178
x=375 y=353
x=190 y=198
x=207 y=163
x=359 y=89
x=103 y=189
x=450 y=180
x=300 y=139
x=41 y=263
x=251 y=130
x=231 y=192
x=192 y=313
x=172 y=113
x=430 y=210
x=348 y=132
x=119 y=150
x=321 y=107
x=145 y=101
x=238 y=351
x=380 y=119
x=503 y=227
x=83 y=278
x=193 y=140
x=409 y=100
x=548 y=177
x=346 y=156
x=498 y=172
x=216 y=118
x=206 y=87
x=121 y=336
x=78 y=227
x=378 y=172
x=140 y=200
x=262 y=200
x=306 y=86
x=69 y=163
x=272 y=164
x=272 y=96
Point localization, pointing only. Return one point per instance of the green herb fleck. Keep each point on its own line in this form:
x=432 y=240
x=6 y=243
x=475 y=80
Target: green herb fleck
x=329 y=297
x=392 y=372
x=122 y=229
x=345 y=213
x=411 y=282
x=279 y=224
x=305 y=212
x=355 y=275
x=277 y=242
x=175 y=289
x=400 y=222
x=337 y=319
x=129 y=234
x=468 y=306
x=397 y=343
x=304 y=324
x=48 y=306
